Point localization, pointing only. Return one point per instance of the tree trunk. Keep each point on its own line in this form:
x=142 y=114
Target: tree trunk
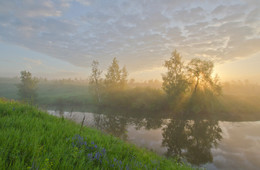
x=196 y=86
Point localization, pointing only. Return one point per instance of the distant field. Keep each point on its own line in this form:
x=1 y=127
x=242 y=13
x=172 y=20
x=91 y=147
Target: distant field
x=8 y=88
x=48 y=92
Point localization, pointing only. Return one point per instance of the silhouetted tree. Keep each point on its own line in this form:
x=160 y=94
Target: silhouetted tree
x=200 y=76
x=189 y=79
x=96 y=80
x=204 y=88
x=174 y=81
x=27 y=87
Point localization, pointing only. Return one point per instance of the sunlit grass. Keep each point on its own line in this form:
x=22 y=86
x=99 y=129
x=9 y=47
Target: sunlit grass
x=32 y=139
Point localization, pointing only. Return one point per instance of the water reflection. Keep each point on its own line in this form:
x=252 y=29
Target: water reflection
x=115 y=125
x=188 y=139
x=146 y=123
x=191 y=139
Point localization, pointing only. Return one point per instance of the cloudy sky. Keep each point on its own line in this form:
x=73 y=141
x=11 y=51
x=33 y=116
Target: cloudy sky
x=61 y=38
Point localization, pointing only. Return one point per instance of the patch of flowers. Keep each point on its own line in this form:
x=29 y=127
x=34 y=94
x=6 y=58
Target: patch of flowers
x=99 y=156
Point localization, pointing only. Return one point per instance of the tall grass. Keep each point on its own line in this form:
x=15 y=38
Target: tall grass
x=32 y=139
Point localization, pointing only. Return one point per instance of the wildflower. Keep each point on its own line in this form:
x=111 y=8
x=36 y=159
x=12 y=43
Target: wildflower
x=90 y=155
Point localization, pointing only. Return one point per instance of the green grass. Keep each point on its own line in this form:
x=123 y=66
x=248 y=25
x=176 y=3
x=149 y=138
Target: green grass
x=32 y=139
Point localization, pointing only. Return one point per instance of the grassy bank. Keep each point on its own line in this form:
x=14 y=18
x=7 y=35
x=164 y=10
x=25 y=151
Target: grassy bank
x=32 y=139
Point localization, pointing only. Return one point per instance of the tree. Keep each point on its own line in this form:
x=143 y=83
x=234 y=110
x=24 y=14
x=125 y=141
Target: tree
x=174 y=81
x=200 y=76
x=116 y=78
x=95 y=79
x=27 y=87
x=195 y=80
x=123 y=77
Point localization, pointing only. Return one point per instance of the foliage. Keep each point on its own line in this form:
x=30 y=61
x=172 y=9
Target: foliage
x=200 y=76
x=174 y=81
x=188 y=88
x=116 y=78
x=32 y=139
x=27 y=87
x=95 y=80
x=123 y=77
x=135 y=99
x=190 y=84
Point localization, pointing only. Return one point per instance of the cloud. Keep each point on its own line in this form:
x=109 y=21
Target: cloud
x=83 y=2
x=32 y=61
x=29 y=8
x=141 y=34
x=253 y=16
x=190 y=15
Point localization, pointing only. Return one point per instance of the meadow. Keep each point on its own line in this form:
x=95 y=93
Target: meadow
x=32 y=139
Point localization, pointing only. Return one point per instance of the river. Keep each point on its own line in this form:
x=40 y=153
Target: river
x=203 y=143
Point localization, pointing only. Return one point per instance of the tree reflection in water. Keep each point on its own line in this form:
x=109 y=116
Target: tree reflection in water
x=115 y=125
x=183 y=138
x=188 y=139
x=191 y=139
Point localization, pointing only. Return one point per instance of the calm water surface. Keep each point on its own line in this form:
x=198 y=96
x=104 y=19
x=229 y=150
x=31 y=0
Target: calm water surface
x=202 y=143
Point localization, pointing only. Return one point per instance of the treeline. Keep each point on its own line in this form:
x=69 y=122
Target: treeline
x=113 y=91
x=186 y=87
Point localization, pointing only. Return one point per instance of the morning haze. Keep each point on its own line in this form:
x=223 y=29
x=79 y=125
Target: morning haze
x=178 y=79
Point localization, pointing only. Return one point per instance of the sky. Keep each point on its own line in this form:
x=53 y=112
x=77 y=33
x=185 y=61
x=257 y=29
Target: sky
x=61 y=38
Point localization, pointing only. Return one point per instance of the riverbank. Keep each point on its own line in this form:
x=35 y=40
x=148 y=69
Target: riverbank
x=32 y=139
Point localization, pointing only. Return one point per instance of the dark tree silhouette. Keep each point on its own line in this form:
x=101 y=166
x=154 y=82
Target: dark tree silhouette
x=200 y=76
